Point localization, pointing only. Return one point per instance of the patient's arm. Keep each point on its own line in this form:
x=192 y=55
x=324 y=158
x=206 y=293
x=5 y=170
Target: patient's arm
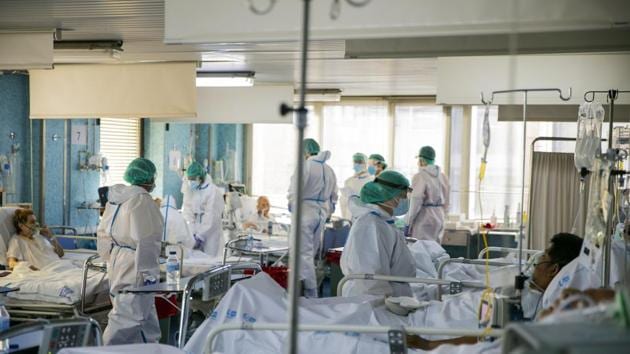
x=53 y=241
x=14 y=261
x=417 y=342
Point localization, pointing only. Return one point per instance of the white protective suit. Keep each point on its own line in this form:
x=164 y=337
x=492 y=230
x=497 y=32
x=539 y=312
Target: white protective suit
x=352 y=187
x=203 y=210
x=320 y=198
x=376 y=246
x=428 y=204
x=129 y=237
x=176 y=230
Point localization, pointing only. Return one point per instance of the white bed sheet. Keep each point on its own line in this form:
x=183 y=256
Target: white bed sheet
x=260 y=299
x=59 y=282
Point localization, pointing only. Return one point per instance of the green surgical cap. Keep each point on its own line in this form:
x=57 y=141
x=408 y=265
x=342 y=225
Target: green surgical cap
x=140 y=171
x=311 y=147
x=195 y=170
x=388 y=185
x=359 y=157
x=380 y=159
x=427 y=153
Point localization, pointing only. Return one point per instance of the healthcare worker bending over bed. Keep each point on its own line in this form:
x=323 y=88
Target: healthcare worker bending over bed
x=375 y=245
x=203 y=209
x=429 y=200
x=129 y=237
x=32 y=244
x=320 y=197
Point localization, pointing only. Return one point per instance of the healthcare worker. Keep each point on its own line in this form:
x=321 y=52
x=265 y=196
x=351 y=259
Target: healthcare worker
x=353 y=185
x=176 y=230
x=129 y=237
x=320 y=197
x=375 y=245
x=376 y=164
x=429 y=200
x=203 y=209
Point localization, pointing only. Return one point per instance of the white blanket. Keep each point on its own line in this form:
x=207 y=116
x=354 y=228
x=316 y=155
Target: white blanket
x=261 y=300
x=59 y=282
x=125 y=349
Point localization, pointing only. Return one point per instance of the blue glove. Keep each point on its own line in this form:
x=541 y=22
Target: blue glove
x=407 y=231
x=289 y=207
x=198 y=242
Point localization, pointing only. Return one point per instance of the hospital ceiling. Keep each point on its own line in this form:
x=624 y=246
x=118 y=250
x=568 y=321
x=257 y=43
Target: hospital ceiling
x=355 y=67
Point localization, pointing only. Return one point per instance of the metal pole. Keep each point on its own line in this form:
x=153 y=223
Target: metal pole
x=612 y=96
x=521 y=224
x=294 y=261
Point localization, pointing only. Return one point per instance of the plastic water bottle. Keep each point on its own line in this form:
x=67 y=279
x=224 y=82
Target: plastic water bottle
x=250 y=241
x=5 y=322
x=172 y=268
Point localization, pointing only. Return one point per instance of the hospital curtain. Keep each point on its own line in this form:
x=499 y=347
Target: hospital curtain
x=555 y=197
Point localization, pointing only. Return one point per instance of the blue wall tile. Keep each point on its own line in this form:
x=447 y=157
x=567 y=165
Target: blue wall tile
x=14 y=118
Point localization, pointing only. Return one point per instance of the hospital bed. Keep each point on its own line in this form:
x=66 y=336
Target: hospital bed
x=75 y=287
x=91 y=286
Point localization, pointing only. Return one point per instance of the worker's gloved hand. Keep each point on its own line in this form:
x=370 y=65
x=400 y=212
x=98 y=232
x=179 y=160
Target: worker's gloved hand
x=199 y=242
x=407 y=231
x=310 y=293
x=289 y=207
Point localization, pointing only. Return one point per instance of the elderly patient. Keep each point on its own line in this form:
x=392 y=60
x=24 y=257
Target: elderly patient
x=260 y=220
x=32 y=243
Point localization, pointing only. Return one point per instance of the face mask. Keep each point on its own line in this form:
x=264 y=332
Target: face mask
x=194 y=184
x=358 y=167
x=531 y=301
x=371 y=170
x=402 y=208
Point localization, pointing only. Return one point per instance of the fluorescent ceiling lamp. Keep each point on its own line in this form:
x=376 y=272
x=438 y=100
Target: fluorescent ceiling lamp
x=225 y=79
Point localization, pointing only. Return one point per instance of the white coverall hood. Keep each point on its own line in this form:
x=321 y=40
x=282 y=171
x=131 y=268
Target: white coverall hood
x=323 y=156
x=120 y=193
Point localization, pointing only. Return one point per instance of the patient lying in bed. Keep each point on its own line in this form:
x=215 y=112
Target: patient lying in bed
x=32 y=244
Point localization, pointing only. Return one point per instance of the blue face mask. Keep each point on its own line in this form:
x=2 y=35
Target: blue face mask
x=358 y=167
x=402 y=208
x=371 y=170
x=194 y=184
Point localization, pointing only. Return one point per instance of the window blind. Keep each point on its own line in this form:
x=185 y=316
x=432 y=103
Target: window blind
x=120 y=144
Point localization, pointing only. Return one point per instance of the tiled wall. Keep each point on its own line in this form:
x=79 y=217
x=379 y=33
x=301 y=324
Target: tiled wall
x=202 y=141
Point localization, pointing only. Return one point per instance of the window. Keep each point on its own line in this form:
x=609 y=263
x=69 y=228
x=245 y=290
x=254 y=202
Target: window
x=273 y=158
x=120 y=144
x=349 y=129
x=417 y=126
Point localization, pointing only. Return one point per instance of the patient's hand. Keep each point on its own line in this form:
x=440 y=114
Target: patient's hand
x=45 y=232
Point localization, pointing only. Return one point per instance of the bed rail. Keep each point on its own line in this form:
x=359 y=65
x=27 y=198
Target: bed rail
x=505 y=249
x=87 y=265
x=455 y=286
x=244 y=326
x=216 y=280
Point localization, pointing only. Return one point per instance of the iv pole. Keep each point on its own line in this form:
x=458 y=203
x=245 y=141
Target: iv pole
x=612 y=155
x=521 y=277
x=294 y=255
